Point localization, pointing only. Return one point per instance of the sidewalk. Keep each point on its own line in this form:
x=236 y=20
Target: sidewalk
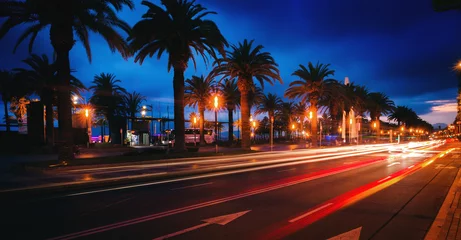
x=447 y=224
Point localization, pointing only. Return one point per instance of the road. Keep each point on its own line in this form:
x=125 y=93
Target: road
x=380 y=195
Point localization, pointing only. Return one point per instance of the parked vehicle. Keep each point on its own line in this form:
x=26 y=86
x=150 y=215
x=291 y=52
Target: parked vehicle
x=191 y=135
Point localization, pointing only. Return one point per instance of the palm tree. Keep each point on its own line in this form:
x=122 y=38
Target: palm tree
x=231 y=96
x=313 y=85
x=270 y=104
x=107 y=97
x=179 y=29
x=132 y=103
x=246 y=63
x=64 y=19
x=198 y=93
x=286 y=114
x=6 y=90
x=43 y=81
x=400 y=114
x=379 y=104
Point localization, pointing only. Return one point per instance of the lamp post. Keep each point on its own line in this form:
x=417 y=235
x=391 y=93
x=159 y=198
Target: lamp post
x=216 y=121
x=374 y=127
x=195 y=126
x=272 y=132
x=254 y=131
x=87 y=130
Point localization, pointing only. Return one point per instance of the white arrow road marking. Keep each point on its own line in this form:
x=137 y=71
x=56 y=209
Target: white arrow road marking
x=392 y=164
x=221 y=220
x=353 y=234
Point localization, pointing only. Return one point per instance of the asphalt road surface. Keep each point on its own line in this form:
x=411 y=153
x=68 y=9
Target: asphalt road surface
x=379 y=196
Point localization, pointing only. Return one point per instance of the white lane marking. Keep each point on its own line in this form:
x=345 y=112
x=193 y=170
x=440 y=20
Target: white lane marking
x=394 y=163
x=310 y=212
x=192 y=186
x=384 y=179
x=200 y=205
x=411 y=166
x=291 y=169
x=221 y=220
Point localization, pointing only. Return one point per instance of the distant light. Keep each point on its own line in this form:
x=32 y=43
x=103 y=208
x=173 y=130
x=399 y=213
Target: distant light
x=216 y=102
x=143 y=112
x=86 y=112
x=75 y=98
x=144 y=107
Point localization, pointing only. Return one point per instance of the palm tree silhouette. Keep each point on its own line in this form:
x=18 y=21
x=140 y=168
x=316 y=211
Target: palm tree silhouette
x=42 y=78
x=270 y=104
x=132 y=103
x=179 y=29
x=107 y=98
x=313 y=86
x=67 y=19
x=246 y=64
x=198 y=93
x=231 y=97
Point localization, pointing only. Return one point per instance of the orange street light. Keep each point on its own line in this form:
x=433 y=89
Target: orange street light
x=195 y=120
x=86 y=112
x=374 y=125
x=293 y=126
x=310 y=114
x=216 y=102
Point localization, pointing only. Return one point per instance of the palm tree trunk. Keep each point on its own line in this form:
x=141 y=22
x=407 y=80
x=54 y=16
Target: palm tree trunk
x=49 y=124
x=61 y=35
x=102 y=131
x=178 y=89
x=202 y=125
x=231 y=125
x=245 y=118
x=314 y=125
x=378 y=129
x=7 y=119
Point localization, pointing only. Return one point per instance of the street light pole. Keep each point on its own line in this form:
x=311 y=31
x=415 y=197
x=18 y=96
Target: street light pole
x=216 y=121
x=195 y=126
x=272 y=132
x=87 y=131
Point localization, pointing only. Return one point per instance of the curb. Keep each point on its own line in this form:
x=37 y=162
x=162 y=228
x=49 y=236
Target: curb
x=442 y=215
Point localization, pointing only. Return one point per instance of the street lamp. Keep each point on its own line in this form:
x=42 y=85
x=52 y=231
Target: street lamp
x=87 y=130
x=254 y=131
x=216 y=121
x=195 y=126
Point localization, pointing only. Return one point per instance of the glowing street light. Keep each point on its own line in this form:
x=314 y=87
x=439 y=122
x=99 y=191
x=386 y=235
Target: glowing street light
x=216 y=104
x=87 y=129
x=193 y=129
x=143 y=113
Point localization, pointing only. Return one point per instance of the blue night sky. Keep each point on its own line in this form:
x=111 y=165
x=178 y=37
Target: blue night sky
x=401 y=48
